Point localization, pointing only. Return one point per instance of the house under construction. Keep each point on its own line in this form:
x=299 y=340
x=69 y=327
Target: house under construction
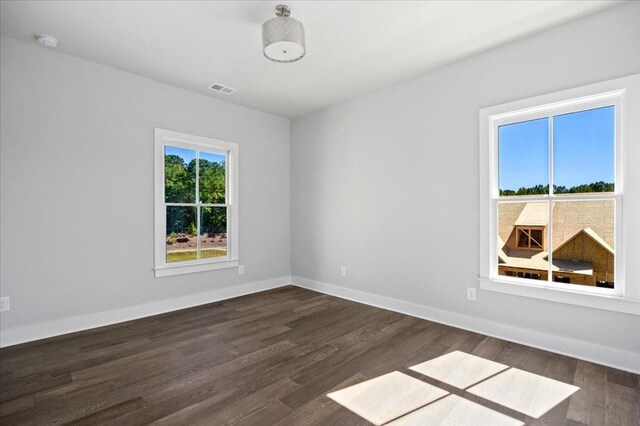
x=582 y=244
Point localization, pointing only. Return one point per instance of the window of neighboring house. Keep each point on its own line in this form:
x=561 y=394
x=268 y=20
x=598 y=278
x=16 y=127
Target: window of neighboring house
x=554 y=176
x=530 y=238
x=196 y=203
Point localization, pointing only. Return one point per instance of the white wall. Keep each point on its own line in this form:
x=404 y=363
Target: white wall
x=386 y=184
x=77 y=193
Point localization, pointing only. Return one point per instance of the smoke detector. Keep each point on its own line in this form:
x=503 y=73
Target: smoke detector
x=221 y=88
x=47 y=40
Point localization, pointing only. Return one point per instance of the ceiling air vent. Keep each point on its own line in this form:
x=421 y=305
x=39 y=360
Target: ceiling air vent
x=222 y=89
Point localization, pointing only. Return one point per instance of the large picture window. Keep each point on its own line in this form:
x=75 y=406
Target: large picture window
x=552 y=208
x=196 y=212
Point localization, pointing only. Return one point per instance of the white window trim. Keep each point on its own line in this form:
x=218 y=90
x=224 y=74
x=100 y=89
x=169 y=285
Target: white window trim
x=626 y=296
x=167 y=137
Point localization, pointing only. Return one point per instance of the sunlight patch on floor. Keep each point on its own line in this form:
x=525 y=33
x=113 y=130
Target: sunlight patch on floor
x=404 y=400
x=459 y=369
x=387 y=397
x=454 y=411
x=525 y=392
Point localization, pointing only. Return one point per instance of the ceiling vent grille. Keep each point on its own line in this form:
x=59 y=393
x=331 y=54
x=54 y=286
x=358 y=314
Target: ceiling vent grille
x=226 y=90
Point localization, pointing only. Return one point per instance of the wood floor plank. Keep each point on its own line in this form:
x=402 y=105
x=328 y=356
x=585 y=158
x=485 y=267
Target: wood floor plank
x=317 y=410
x=110 y=414
x=202 y=410
x=270 y=414
x=163 y=404
x=623 y=378
x=344 y=354
x=29 y=385
x=17 y=405
x=588 y=404
x=622 y=405
x=251 y=404
x=286 y=367
x=270 y=358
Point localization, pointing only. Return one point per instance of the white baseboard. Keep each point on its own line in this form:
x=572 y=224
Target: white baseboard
x=14 y=336
x=612 y=357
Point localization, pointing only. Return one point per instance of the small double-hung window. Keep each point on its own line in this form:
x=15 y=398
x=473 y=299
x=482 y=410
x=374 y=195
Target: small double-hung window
x=196 y=213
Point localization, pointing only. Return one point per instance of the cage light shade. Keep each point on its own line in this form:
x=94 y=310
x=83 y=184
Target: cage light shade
x=283 y=39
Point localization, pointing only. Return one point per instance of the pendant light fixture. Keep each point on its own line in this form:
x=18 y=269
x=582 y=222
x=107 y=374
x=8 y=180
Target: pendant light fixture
x=283 y=37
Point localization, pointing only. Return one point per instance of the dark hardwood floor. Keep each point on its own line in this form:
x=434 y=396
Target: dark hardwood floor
x=268 y=358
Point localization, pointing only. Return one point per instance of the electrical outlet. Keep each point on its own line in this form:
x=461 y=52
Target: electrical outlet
x=241 y=270
x=4 y=304
x=471 y=293
x=343 y=271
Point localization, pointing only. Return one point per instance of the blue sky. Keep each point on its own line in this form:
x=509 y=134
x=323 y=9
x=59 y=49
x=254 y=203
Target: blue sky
x=582 y=143
x=188 y=154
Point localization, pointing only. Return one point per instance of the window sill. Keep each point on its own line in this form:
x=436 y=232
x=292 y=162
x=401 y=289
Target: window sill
x=590 y=300
x=168 y=270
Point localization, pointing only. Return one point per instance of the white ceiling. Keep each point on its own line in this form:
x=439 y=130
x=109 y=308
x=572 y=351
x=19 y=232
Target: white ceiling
x=352 y=46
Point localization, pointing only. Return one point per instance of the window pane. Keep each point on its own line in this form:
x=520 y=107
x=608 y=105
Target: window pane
x=523 y=158
x=179 y=175
x=535 y=239
x=583 y=242
x=583 y=151
x=522 y=240
x=213 y=232
x=181 y=234
x=212 y=178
